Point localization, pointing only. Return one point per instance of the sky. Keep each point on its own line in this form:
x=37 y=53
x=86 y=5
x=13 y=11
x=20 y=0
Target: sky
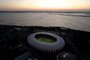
x=45 y=5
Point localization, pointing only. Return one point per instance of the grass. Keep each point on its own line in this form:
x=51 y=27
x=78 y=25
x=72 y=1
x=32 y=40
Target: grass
x=47 y=40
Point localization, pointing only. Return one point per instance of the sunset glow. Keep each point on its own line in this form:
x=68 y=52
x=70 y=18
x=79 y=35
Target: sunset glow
x=45 y=5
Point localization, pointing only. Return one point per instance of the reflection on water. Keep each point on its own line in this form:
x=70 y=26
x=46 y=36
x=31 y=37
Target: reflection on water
x=46 y=19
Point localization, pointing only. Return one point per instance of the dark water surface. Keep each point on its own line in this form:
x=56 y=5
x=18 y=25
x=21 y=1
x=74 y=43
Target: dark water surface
x=78 y=21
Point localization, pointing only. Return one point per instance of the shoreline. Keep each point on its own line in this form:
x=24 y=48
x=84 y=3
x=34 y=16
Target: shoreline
x=66 y=28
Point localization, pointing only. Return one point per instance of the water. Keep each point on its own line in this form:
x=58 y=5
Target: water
x=78 y=21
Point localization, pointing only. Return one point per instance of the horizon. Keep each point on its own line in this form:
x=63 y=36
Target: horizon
x=1 y=11
x=45 y=5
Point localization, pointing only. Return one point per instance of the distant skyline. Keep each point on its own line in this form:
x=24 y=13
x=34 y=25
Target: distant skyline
x=45 y=5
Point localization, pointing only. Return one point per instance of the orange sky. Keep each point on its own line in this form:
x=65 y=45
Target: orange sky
x=45 y=5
